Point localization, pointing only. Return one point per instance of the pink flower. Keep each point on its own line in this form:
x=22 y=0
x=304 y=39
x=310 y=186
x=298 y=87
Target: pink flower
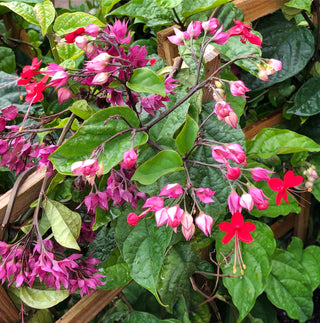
x=219 y=153
x=28 y=72
x=100 y=78
x=35 y=91
x=233 y=173
x=178 y=38
x=81 y=42
x=188 y=228
x=91 y=201
x=204 y=195
x=194 y=29
x=172 y=190
x=243 y=30
x=234 y=202
x=88 y=167
x=238 y=88
x=129 y=159
x=236 y=154
x=161 y=216
x=259 y=198
x=64 y=94
x=246 y=201
x=175 y=214
x=154 y=203
x=132 y=219
x=204 y=223
x=275 y=64
x=225 y=113
x=92 y=30
x=98 y=64
x=260 y=174
x=220 y=37
x=118 y=31
x=210 y=25
x=10 y=112
x=60 y=78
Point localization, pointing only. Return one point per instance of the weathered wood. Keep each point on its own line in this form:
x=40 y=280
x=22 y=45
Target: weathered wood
x=253 y=10
x=28 y=193
x=89 y=306
x=8 y=312
x=266 y=122
x=280 y=228
x=166 y=49
x=302 y=220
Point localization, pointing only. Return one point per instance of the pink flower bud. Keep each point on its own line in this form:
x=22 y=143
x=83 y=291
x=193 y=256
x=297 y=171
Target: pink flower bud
x=204 y=195
x=188 y=233
x=10 y=112
x=88 y=167
x=263 y=75
x=64 y=94
x=2 y=124
x=260 y=174
x=155 y=203
x=210 y=25
x=132 y=219
x=204 y=223
x=178 y=38
x=60 y=78
x=129 y=159
x=233 y=173
x=231 y=120
x=220 y=37
x=161 y=217
x=236 y=154
x=194 y=29
x=246 y=201
x=81 y=42
x=172 y=190
x=175 y=214
x=275 y=64
x=257 y=195
x=92 y=30
x=100 y=78
x=234 y=202
x=3 y=146
x=238 y=88
x=99 y=63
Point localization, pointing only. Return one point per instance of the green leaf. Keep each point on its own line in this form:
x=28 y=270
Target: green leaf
x=42 y=298
x=288 y=286
x=165 y=162
x=116 y=270
x=145 y=80
x=187 y=136
x=65 y=223
x=107 y=5
x=178 y=266
x=42 y=316
x=296 y=248
x=272 y=141
x=7 y=60
x=143 y=248
x=273 y=209
x=293 y=45
x=68 y=51
x=307 y=99
x=310 y=262
x=45 y=14
x=169 y=4
x=70 y=21
x=257 y=257
x=138 y=317
x=22 y=9
x=93 y=133
x=315 y=160
x=299 y=4
x=82 y=109
x=190 y=7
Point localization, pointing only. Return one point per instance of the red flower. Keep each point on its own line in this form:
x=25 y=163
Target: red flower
x=240 y=230
x=243 y=30
x=28 y=72
x=283 y=186
x=70 y=38
x=35 y=91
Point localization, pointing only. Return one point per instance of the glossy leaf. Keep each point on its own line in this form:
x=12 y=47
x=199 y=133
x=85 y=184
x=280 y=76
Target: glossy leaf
x=288 y=286
x=68 y=51
x=7 y=60
x=107 y=5
x=45 y=14
x=138 y=317
x=272 y=141
x=190 y=7
x=178 y=266
x=65 y=223
x=187 y=136
x=116 y=271
x=307 y=99
x=310 y=262
x=145 y=80
x=22 y=9
x=168 y=3
x=257 y=257
x=165 y=162
x=70 y=21
x=93 y=133
x=42 y=298
x=143 y=248
x=293 y=45
x=299 y=4
x=82 y=109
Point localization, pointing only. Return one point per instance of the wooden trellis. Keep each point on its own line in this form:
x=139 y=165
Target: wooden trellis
x=89 y=306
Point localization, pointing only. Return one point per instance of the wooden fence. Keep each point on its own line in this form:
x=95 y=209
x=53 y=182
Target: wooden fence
x=89 y=306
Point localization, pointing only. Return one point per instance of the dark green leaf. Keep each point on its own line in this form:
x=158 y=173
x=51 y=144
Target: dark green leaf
x=93 y=133
x=282 y=40
x=307 y=99
x=227 y=13
x=7 y=60
x=145 y=80
x=187 y=136
x=288 y=286
x=178 y=266
x=272 y=141
x=42 y=316
x=296 y=248
x=165 y=162
x=138 y=317
x=190 y=7
x=116 y=270
x=143 y=248
x=257 y=257
x=310 y=262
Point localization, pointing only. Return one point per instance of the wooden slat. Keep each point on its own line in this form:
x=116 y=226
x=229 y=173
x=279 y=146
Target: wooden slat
x=280 y=228
x=8 y=312
x=89 y=306
x=254 y=9
x=167 y=50
x=302 y=220
x=28 y=193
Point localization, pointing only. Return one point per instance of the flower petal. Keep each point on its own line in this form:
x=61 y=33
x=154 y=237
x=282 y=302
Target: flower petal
x=227 y=237
x=237 y=220
x=226 y=227
x=276 y=184
x=291 y=180
x=245 y=236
